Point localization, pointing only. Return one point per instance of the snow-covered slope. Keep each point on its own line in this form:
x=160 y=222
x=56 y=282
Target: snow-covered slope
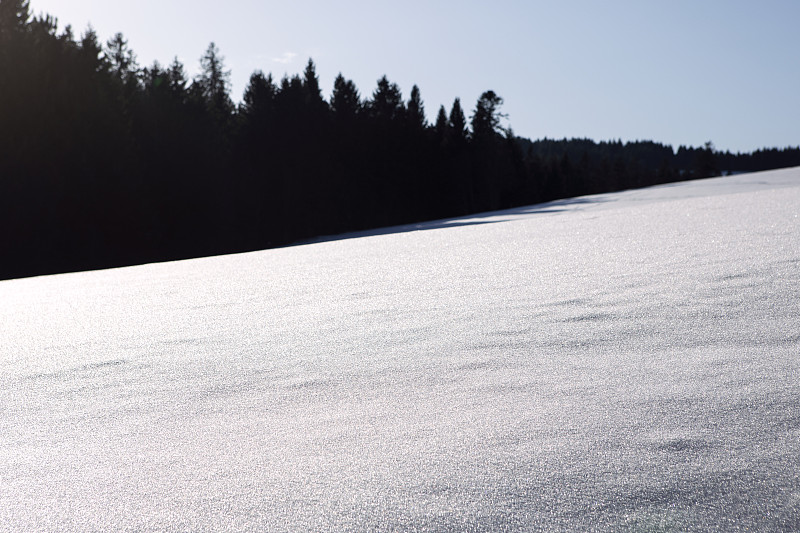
x=619 y=362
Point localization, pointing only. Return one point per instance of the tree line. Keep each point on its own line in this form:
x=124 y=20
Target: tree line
x=106 y=163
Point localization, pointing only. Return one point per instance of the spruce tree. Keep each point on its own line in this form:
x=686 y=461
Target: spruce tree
x=90 y=52
x=386 y=104
x=176 y=77
x=14 y=16
x=259 y=96
x=121 y=58
x=345 y=100
x=458 y=124
x=487 y=116
x=313 y=94
x=440 y=128
x=415 y=111
x=213 y=84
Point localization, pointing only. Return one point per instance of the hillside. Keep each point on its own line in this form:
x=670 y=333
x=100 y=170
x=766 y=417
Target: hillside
x=624 y=361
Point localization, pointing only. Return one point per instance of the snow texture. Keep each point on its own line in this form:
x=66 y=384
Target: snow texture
x=620 y=362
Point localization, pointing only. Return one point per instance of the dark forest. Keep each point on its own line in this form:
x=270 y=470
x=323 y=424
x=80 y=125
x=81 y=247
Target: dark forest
x=105 y=163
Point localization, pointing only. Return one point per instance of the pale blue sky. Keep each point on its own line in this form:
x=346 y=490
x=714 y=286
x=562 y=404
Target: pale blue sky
x=678 y=72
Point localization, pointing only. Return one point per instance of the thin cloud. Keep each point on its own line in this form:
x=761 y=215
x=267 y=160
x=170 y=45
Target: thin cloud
x=286 y=58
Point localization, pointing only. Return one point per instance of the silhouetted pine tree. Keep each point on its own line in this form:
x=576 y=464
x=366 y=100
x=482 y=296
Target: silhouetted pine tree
x=349 y=166
x=419 y=181
x=260 y=195
x=345 y=100
x=386 y=116
x=386 y=104
x=463 y=195
x=458 y=125
x=440 y=128
x=415 y=112
x=493 y=176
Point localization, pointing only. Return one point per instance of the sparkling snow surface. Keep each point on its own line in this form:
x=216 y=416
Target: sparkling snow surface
x=622 y=362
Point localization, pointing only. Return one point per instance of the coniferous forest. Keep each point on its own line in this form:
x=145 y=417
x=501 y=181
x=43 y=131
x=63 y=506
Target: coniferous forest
x=106 y=163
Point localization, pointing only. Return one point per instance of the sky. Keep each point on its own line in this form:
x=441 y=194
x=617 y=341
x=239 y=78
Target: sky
x=682 y=72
